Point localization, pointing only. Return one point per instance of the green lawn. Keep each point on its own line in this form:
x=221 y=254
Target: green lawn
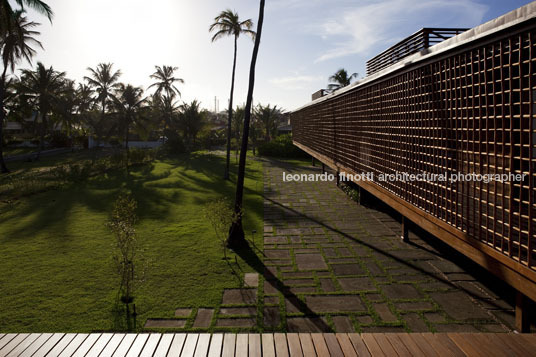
x=17 y=151
x=56 y=252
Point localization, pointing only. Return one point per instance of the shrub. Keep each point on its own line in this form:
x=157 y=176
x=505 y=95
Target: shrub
x=136 y=156
x=59 y=140
x=117 y=159
x=126 y=250
x=351 y=189
x=174 y=144
x=24 y=185
x=221 y=216
x=281 y=146
x=101 y=165
x=14 y=142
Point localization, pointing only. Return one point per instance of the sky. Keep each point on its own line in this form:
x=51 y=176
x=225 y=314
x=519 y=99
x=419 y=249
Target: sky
x=303 y=42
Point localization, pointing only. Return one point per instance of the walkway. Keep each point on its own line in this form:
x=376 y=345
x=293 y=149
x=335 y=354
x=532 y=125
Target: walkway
x=331 y=265
x=336 y=266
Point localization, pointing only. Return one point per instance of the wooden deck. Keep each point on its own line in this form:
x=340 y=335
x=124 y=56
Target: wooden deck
x=267 y=344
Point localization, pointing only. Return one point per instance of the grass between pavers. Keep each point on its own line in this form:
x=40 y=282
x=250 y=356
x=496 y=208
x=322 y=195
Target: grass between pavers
x=56 y=251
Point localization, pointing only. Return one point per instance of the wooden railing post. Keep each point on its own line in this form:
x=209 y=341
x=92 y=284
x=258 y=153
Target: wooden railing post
x=404 y=235
x=522 y=313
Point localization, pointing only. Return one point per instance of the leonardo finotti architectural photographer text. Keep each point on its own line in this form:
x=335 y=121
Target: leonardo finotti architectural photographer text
x=406 y=177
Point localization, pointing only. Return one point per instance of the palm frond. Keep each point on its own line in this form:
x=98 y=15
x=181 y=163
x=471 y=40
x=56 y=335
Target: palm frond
x=38 y=6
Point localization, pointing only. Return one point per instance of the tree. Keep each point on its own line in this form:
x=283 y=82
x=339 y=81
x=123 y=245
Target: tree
x=8 y=18
x=128 y=102
x=42 y=88
x=227 y=23
x=15 y=45
x=104 y=81
x=67 y=107
x=84 y=98
x=165 y=79
x=269 y=117
x=237 y=126
x=340 y=79
x=165 y=109
x=191 y=121
x=255 y=132
x=236 y=233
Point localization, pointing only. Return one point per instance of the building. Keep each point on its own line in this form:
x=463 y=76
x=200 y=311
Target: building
x=463 y=108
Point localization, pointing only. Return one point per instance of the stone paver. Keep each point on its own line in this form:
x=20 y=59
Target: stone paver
x=385 y=313
x=241 y=322
x=400 y=291
x=310 y=262
x=272 y=316
x=357 y=284
x=334 y=303
x=239 y=297
x=327 y=285
x=309 y=324
x=347 y=269
x=161 y=323
x=459 y=306
x=249 y=311
x=342 y=324
x=203 y=318
x=251 y=280
x=415 y=323
x=183 y=312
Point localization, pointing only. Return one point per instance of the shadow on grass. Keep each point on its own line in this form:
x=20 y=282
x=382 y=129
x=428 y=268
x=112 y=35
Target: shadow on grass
x=156 y=190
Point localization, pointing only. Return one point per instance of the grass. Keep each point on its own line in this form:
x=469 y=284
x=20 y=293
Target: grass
x=56 y=252
x=17 y=151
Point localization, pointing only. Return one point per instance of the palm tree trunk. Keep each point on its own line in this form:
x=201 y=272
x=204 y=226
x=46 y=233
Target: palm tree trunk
x=3 y=167
x=227 y=163
x=126 y=146
x=42 y=134
x=236 y=237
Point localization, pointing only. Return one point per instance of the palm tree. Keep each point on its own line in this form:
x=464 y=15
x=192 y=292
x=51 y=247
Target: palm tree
x=227 y=23
x=15 y=45
x=42 y=87
x=236 y=237
x=340 y=79
x=237 y=126
x=66 y=108
x=269 y=117
x=104 y=81
x=128 y=102
x=165 y=79
x=191 y=120
x=8 y=18
x=165 y=108
x=84 y=98
x=255 y=132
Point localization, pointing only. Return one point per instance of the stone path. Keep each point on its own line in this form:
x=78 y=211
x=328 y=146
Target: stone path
x=332 y=265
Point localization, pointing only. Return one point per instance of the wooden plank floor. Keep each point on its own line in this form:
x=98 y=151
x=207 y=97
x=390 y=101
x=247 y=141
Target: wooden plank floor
x=267 y=344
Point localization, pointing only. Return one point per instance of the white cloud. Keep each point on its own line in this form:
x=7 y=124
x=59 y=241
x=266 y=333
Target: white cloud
x=359 y=29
